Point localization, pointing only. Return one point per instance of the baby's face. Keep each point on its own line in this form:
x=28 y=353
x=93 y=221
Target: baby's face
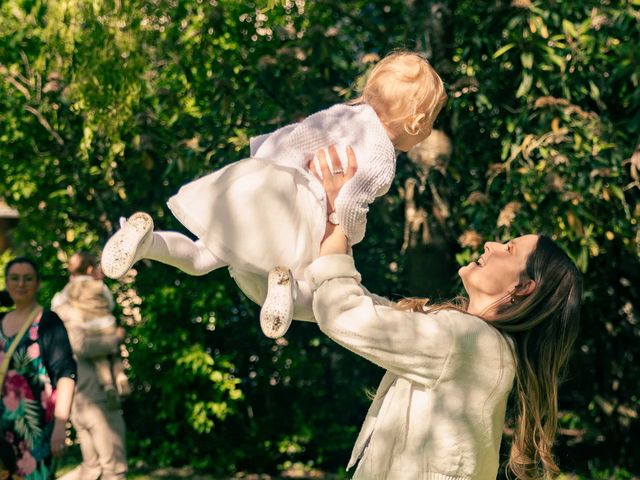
x=74 y=263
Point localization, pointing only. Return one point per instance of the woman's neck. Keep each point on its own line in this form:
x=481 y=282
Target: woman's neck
x=25 y=307
x=480 y=307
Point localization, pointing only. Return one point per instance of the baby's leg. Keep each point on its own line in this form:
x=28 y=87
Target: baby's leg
x=255 y=287
x=136 y=240
x=180 y=251
x=120 y=377
x=277 y=310
x=285 y=299
x=303 y=302
x=127 y=245
x=105 y=377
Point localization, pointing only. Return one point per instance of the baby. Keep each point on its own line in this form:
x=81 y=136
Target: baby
x=264 y=217
x=86 y=299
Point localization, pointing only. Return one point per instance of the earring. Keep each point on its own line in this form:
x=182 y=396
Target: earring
x=513 y=300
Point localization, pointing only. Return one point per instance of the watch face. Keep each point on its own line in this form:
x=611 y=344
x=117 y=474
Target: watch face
x=333 y=218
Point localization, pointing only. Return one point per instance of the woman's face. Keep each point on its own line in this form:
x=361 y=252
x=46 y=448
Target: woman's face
x=495 y=275
x=22 y=283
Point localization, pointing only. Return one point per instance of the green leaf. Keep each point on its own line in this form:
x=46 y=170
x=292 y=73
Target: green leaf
x=525 y=85
x=558 y=60
x=569 y=28
x=617 y=191
x=583 y=259
x=28 y=426
x=503 y=50
x=21 y=360
x=594 y=90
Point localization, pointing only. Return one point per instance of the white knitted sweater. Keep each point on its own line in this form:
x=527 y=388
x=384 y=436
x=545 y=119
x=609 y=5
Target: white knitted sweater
x=341 y=125
x=439 y=411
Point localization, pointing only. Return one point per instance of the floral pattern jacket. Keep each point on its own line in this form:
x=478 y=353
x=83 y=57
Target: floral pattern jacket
x=28 y=396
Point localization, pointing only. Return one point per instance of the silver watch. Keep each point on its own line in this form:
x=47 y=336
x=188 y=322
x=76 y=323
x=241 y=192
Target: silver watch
x=333 y=218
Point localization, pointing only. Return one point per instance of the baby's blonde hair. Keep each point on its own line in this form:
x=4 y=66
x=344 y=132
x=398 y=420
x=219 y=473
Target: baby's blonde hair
x=404 y=87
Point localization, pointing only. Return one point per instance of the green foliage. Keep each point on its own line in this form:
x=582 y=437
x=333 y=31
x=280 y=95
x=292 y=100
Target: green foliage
x=108 y=107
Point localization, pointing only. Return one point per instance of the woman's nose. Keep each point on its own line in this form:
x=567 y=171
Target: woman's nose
x=494 y=247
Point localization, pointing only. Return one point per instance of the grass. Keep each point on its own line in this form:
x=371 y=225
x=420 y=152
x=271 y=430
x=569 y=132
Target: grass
x=141 y=472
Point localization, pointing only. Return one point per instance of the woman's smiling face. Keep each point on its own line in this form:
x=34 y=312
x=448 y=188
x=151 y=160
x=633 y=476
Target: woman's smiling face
x=498 y=271
x=22 y=283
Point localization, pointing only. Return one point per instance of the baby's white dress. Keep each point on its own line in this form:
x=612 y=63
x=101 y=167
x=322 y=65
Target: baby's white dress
x=269 y=210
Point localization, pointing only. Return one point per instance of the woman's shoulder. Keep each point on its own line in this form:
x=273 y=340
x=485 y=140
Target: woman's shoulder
x=480 y=342
x=471 y=328
x=50 y=319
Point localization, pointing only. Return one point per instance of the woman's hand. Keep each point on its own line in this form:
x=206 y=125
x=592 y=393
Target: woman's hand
x=64 y=396
x=333 y=182
x=58 y=438
x=335 y=241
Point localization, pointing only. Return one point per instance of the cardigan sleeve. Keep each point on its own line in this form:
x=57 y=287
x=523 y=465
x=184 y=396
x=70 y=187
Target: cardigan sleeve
x=413 y=345
x=56 y=350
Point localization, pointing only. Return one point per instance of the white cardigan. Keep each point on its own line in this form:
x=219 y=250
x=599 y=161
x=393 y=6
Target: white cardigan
x=340 y=125
x=439 y=411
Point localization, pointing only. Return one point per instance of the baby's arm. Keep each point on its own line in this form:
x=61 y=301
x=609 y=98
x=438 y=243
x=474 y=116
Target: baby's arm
x=295 y=145
x=352 y=203
x=359 y=128
x=59 y=299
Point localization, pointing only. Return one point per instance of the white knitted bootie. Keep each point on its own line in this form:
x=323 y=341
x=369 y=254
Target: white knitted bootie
x=127 y=245
x=277 y=311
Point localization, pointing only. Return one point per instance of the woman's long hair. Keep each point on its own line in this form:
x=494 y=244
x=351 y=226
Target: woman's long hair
x=543 y=327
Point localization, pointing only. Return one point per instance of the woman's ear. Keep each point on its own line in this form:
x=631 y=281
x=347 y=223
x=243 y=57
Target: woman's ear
x=525 y=289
